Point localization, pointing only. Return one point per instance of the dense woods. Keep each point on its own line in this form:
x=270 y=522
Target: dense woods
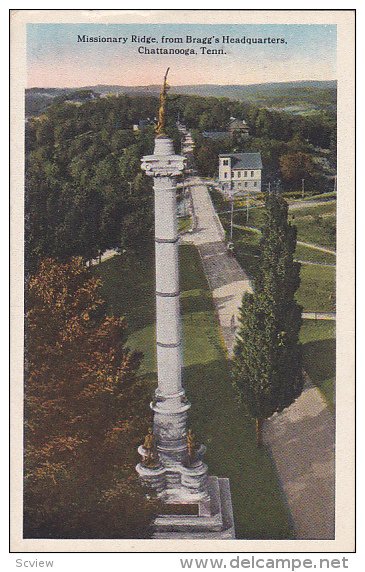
x=84 y=189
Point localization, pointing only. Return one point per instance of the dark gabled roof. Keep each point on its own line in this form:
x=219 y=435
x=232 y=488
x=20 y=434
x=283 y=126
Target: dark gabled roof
x=216 y=134
x=244 y=160
x=240 y=122
x=145 y=123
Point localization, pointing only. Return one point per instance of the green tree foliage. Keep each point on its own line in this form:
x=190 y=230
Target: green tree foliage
x=81 y=165
x=206 y=153
x=271 y=151
x=275 y=134
x=84 y=413
x=296 y=166
x=267 y=355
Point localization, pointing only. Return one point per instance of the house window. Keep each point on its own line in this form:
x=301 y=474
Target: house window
x=225 y=175
x=239 y=174
x=246 y=183
x=255 y=184
x=252 y=173
x=225 y=162
x=245 y=174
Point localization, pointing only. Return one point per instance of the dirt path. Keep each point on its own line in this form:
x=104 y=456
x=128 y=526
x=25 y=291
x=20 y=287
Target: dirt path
x=308 y=244
x=302 y=443
x=304 y=204
x=317 y=247
x=319 y=315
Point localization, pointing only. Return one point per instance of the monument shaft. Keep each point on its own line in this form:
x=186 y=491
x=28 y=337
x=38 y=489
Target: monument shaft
x=174 y=476
x=170 y=405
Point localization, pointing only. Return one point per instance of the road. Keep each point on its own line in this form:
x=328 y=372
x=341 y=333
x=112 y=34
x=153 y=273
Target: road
x=226 y=278
x=302 y=444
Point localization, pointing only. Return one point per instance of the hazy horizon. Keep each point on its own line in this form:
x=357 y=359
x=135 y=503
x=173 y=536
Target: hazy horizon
x=291 y=52
x=182 y=84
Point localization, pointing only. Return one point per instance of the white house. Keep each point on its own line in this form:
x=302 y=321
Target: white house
x=240 y=172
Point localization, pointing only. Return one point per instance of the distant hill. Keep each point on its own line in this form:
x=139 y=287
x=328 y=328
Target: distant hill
x=293 y=97
x=240 y=92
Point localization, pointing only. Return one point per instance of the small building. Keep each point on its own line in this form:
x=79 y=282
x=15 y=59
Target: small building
x=142 y=124
x=240 y=172
x=238 y=126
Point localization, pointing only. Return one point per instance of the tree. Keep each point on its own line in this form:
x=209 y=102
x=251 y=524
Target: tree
x=270 y=150
x=138 y=222
x=206 y=158
x=267 y=355
x=296 y=166
x=84 y=413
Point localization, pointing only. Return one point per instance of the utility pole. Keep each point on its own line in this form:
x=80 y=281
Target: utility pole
x=248 y=197
x=302 y=188
x=232 y=206
x=183 y=195
x=335 y=184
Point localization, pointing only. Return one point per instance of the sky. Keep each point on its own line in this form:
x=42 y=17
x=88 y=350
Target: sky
x=55 y=58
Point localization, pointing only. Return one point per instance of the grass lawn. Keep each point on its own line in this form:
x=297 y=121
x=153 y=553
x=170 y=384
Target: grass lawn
x=319 y=356
x=256 y=217
x=320 y=230
x=306 y=253
x=316 y=224
x=184 y=223
x=218 y=420
x=312 y=227
x=322 y=196
x=328 y=207
x=318 y=283
x=317 y=288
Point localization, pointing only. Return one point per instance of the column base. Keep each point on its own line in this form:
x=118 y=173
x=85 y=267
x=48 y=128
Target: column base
x=213 y=524
x=177 y=483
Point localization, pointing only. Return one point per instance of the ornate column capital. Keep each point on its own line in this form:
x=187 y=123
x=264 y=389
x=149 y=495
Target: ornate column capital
x=163 y=166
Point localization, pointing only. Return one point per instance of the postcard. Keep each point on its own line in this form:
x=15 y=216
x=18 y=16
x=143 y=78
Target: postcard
x=182 y=246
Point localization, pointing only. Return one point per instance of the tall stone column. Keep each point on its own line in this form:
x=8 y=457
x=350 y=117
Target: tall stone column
x=174 y=476
x=178 y=475
x=170 y=405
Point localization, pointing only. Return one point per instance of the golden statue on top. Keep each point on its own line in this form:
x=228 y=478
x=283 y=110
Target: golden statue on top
x=160 y=128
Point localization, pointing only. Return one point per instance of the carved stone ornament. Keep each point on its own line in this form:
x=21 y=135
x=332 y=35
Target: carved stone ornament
x=162 y=166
